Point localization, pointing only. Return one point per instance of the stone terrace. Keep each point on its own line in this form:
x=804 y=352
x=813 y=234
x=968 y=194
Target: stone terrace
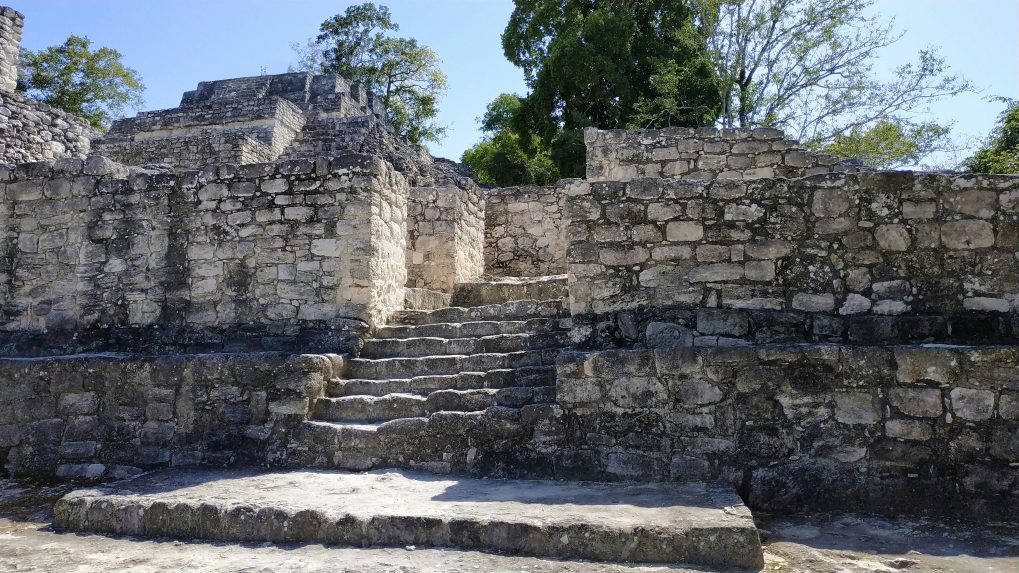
x=267 y=276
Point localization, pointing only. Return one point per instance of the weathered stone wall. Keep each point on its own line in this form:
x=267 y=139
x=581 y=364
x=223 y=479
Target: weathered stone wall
x=235 y=148
x=12 y=23
x=33 y=131
x=92 y=416
x=219 y=131
x=445 y=230
x=703 y=154
x=294 y=254
x=868 y=258
x=525 y=231
x=794 y=427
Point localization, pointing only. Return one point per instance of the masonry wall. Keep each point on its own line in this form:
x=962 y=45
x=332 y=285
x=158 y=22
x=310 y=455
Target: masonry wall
x=822 y=426
x=525 y=233
x=701 y=154
x=327 y=134
x=867 y=258
x=222 y=131
x=94 y=416
x=33 y=131
x=303 y=254
x=209 y=148
x=12 y=23
x=445 y=228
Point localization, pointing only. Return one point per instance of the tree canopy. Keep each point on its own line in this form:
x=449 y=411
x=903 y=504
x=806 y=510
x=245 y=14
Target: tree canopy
x=602 y=64
x=1000 y=153
x=807 y=67
x=356 y=45
x=92 y=84
x=502 y=158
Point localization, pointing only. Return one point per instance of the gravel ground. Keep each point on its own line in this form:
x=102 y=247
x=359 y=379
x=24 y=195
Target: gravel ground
x=819 y=543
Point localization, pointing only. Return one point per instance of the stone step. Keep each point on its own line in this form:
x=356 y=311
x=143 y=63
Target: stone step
x=703 y=524
x=515 y=310
x=396 y=406
x=424 y=299
x=481 y=293
x=385 y=368
x=442 y=442
x=433 y=346
x=527 y=377
x=474 y=329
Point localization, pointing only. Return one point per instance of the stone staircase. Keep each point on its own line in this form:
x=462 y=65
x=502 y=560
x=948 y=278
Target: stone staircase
x=444 y=390
x=462 y=389
x=319 y=138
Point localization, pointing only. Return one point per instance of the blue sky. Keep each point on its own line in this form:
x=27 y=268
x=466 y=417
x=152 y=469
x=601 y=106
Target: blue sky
x=174 y=44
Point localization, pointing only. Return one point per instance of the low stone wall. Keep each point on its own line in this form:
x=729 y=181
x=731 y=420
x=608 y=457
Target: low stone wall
x=870 y=257
x=94 y=416
x=235 y=148
x=445 y=230
x=299 y=254
x=701 y=154
x=33 y=131
x=525 y=231
x=796 y=427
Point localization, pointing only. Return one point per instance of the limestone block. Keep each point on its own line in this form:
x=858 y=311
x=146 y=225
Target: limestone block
x=716 y=272
x=666 y=334
x=917 y=430
x=762 y=271
x=830 y=203
x=890 y=307
x=814 y=302
x=972 y=404
x=974 y=203
x=624 y=256
x=80 y=404
x=893 y=237
x=684 y=231
x=769 y=249
x=713 y=321
x=327 y=247
x=857 y=408
x=916 y=364
x=896 y=289
x=855 y=304
x=750 y=212
x=919 y=402
x=986 y=304
x=919 y=210
x=967 y=234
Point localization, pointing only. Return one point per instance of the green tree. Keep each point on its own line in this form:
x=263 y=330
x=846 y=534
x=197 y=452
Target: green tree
x=92 y=84
x=1000 y=153
x=502 y=157
x=807 y=67
x=886 y=144
x=593 y=63
x=356 y=45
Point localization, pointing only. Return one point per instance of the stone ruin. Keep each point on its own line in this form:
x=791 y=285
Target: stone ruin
x=267 y=276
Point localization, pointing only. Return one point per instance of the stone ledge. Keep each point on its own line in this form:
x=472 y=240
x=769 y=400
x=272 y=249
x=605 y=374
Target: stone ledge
x=696 y=523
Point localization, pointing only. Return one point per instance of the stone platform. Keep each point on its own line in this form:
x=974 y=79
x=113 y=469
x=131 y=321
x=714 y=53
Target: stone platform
x=696 y=523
